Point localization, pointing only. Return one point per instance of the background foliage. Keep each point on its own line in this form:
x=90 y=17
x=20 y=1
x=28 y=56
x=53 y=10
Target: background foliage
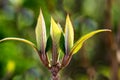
x=99 y=59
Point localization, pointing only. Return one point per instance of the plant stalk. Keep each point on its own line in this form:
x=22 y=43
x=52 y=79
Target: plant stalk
x=55 y=77
x=55 y=71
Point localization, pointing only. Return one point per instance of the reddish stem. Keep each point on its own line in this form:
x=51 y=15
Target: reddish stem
x=55 y=77
x=54 y=71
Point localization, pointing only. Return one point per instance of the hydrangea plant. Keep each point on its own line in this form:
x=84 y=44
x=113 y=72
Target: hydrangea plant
x=57 y=42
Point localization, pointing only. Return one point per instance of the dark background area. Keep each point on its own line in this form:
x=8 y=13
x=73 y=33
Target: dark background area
x=99 y=58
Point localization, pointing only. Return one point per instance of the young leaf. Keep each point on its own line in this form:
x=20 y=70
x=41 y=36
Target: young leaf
x=19 y=39
x=80 y=42
x=49 y=44
x=62 y=43
x=69 y=35
x=60 y=27
x=41 y=32
x=55 y=31
x=62 y=40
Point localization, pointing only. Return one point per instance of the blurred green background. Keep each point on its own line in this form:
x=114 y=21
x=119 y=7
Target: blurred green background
x=99 y=58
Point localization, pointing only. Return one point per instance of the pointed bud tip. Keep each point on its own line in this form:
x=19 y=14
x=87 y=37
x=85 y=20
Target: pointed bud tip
x=68 y=17
x=107 y=30
x=41 y=12
x=52 y=20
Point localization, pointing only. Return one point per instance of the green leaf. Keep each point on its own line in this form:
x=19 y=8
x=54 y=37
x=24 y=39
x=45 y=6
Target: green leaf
x=55 y=31
x=60 y=27
x=80 y=42
x=62 y=43
x=19 y=39
x=62 y=40
x=41 y=32
x=49 y=44
x=69 y=35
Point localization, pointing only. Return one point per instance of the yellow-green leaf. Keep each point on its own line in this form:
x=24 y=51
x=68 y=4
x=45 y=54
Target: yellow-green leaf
x=41 y=32
x=69 y=35
x=55 y=31
x=60 y=27
x=19 y=39
x=80 y=42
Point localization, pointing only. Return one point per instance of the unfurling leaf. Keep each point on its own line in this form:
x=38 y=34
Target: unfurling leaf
x=62 y=43
x=69 y=35
x=80 y=42
x=49 y=44
x=62 y=40
x=60 y=27
x=41 y=33
x=21 y=40
x=55 y=31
